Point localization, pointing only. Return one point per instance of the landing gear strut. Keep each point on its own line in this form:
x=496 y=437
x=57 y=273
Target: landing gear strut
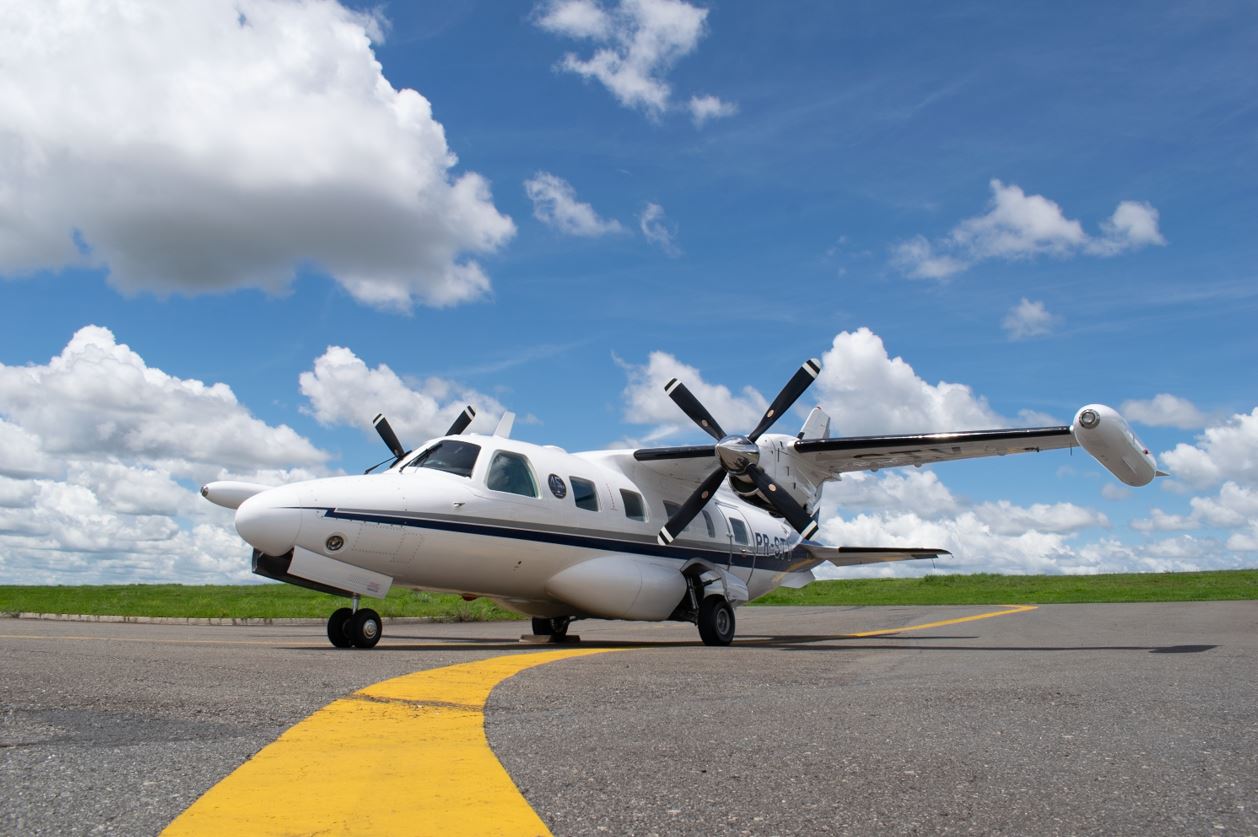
x=354 y=627
x=716 y=621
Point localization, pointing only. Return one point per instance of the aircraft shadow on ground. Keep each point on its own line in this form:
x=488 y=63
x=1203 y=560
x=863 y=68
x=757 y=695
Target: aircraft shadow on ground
x=802 y=642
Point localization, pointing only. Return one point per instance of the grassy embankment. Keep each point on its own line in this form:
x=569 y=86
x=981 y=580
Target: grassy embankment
x=985 y=588
x=235 y=601
x=282 y=600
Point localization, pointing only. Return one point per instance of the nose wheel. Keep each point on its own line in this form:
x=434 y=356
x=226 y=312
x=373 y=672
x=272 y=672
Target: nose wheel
x=348 y=628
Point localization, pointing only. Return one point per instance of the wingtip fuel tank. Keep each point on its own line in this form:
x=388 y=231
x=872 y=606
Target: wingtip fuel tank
x=1102 y=432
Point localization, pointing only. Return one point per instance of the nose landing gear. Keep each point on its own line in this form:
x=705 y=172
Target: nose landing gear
x=354 y=627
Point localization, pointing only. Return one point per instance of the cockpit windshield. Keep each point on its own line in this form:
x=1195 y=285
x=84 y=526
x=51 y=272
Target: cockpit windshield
x=449 y=456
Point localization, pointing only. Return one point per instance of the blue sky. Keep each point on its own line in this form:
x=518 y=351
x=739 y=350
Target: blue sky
x=1033 y=207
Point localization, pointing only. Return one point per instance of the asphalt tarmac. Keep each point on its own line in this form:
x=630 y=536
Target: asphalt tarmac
x=1067 y=719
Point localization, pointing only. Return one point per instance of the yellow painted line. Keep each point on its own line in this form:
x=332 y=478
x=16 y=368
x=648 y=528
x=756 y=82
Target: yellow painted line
x=1008 y=611
x=405 y=756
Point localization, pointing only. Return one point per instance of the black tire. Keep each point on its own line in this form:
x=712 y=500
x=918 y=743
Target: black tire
x=338 y=627
x=716 y=621
x=556 y=627
x=365 y=628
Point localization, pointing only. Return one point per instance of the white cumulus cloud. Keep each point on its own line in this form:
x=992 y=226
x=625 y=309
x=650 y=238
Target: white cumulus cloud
x=215 y=144
x=1028 y=319
x=1165 y=410
x=555 y=204
x=706 y=108
x=862 y=388
x=100 y=459
x=637 y=42
x=343 y=390
x=1021 y=226
x=1227 y=451
x=647 y=403
x=866 y=391
x=99 y=398
x=993 y=543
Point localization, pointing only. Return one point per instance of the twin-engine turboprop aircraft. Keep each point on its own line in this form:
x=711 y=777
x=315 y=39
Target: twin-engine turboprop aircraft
x=672 y=533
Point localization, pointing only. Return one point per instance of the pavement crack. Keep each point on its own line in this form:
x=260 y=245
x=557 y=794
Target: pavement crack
x=418 y=704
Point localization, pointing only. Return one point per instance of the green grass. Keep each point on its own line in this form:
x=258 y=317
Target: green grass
x=283 y=600
x=235 y=601
x=1031 y=589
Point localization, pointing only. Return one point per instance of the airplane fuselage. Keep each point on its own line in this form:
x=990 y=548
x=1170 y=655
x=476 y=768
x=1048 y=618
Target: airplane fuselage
x=516 y=522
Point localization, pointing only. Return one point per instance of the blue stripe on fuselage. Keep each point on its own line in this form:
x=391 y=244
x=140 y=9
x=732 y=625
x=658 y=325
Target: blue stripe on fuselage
x=798 y=561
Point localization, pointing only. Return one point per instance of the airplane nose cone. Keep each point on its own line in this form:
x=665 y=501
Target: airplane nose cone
x=268 y=523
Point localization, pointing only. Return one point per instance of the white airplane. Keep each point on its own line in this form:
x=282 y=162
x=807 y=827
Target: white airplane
x=672 y=533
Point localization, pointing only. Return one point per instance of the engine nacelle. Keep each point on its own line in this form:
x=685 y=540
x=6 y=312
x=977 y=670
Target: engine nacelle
x=786 y=468
x=1106 y=435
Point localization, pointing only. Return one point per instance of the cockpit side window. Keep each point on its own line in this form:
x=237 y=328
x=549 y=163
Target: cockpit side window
x=510 y=472
x=707 y=518
x=740 y=531
x=449 y=456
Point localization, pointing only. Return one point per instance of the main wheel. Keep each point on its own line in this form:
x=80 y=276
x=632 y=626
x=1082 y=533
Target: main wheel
x=365 y=628
x=556 y=627
x=338 y=627
x=716 y=621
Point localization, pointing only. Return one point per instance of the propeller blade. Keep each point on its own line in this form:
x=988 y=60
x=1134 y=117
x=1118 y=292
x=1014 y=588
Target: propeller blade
x=691 y=508
x=690 y=405
x=390 y=438
x=781 y=500
x=461 y=423
x=800 y=381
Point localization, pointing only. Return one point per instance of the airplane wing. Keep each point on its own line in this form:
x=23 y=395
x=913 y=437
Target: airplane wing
x=831 y=457
x=847 y=556
x=870 y=453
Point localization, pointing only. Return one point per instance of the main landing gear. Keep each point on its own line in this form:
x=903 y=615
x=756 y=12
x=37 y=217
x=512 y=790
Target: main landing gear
x=556 y=627
x=354 y=627
x=716 y=621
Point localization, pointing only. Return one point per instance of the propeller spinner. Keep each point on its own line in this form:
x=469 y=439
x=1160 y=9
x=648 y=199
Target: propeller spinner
x=739 y=456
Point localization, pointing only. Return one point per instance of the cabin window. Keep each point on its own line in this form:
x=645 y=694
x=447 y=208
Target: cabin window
x=584 y=494
x=707 y=518
x=740 y=531
x=670 y=509
x=510 y=472
x=449 y=456
x=635 y=509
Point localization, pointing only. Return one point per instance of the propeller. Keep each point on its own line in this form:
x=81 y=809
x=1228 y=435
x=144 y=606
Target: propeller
x=461 y=423
x=394 y=445
x=390 y=438
x=739 y=456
